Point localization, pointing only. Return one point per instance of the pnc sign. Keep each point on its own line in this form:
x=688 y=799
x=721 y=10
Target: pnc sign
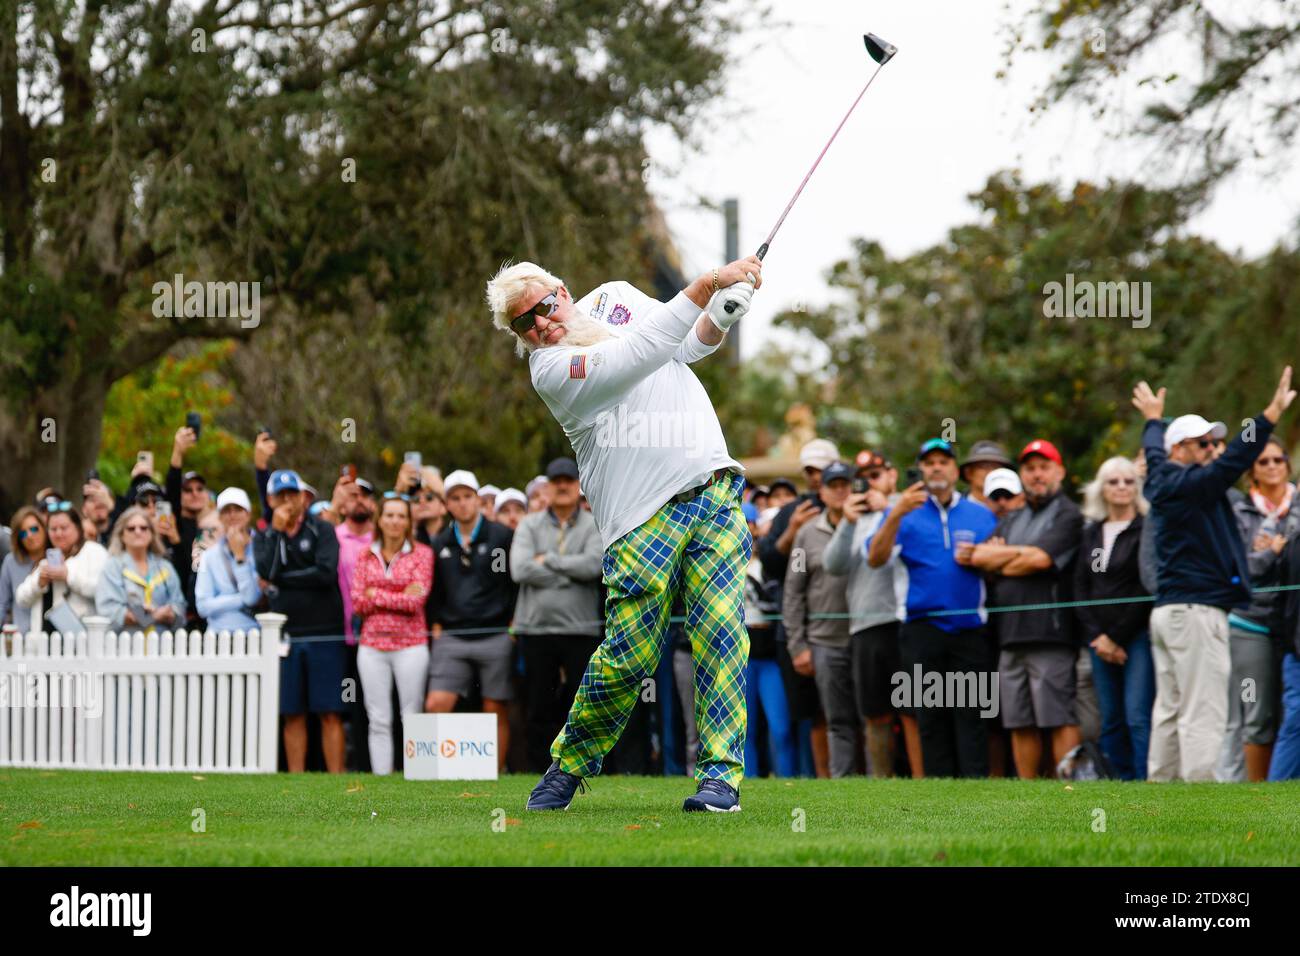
x=450 y=746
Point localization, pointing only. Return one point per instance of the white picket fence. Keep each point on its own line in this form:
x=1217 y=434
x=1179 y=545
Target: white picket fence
x=131 y=701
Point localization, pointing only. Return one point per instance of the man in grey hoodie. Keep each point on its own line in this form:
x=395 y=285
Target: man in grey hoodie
x=815 y=612
x=876 y=597
x=555 y=558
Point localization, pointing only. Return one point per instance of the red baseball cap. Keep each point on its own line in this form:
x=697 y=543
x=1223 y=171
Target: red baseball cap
x=1040 y=446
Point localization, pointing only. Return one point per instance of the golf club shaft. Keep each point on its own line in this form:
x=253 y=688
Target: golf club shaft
x=762 y=250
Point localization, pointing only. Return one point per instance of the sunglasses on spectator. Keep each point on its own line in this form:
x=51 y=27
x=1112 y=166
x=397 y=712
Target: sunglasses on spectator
x=26 y=533
x=1121 y=481
x=427 y=496
x=1271 y=461
x=138 y=527
x=1001 y=495
x=53 y=506
x=1200 y=442
x=396 y=496
x=873 y=475
x=527 y=321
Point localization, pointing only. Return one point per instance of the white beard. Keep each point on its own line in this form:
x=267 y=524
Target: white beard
x=581 y=331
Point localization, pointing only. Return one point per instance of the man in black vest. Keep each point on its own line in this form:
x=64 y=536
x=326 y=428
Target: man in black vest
x=473 y=603
x=1030 y=560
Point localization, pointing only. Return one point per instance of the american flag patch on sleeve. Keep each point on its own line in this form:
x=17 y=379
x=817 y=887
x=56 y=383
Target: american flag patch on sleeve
x=578 y=366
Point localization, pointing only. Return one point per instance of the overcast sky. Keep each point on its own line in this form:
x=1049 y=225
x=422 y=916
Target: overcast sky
x=931 y=129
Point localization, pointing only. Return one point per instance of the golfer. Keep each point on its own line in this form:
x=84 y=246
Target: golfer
x=665 y=493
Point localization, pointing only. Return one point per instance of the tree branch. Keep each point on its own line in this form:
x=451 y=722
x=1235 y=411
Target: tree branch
x=147 y=345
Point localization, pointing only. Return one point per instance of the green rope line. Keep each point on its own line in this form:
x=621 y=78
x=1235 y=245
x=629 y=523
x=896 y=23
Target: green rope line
x=837 y=616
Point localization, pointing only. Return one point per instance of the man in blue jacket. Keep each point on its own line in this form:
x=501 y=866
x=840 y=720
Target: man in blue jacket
x=1201 y=575
x=944 y=630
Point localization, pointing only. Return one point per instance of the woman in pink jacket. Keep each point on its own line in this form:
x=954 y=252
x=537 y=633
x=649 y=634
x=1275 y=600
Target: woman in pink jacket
x=389 y=587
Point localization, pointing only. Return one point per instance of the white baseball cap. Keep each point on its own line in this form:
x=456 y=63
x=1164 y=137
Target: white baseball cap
x=818 y=453
x=489 y=490
x=512 y=494
x=1192 y=426
x=1002 y=479
x=459 y=478
x=234 y=496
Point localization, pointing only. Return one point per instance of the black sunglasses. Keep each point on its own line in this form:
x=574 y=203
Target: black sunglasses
x=525 y=323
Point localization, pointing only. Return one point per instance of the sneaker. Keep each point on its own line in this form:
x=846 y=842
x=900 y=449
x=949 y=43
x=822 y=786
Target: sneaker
x=556 y=789
x=716 y=796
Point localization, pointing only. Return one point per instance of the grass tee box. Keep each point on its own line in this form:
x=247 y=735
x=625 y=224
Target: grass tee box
x=80 y=818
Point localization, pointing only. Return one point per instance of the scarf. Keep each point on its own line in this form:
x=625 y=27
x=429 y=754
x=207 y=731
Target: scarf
x=1267 y=507
x=157 y=578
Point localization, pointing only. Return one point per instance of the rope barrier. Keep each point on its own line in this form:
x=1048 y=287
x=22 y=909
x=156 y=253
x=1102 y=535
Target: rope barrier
x=837 y=616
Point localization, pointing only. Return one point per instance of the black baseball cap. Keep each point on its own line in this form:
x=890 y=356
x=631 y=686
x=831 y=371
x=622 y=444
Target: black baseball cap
x=193 y=476
x=783 y=483
x=837 y=470
x=562 y=468
x=148 y=488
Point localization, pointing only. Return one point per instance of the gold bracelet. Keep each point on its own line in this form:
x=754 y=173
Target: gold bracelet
x=715 y=280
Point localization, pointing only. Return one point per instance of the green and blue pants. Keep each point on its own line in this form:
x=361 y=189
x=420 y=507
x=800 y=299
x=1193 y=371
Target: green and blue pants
x=700 y=548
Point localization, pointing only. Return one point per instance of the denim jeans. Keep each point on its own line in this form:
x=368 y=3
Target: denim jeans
x=766 y=689
x=1125 y=693
x=1286 y=748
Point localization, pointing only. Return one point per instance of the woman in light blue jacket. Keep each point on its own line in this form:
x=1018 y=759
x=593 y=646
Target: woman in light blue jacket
x=226 y=588
x=139 y=588
x=28 y=541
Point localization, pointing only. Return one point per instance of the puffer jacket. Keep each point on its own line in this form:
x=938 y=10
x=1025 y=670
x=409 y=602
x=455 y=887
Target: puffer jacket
x=84 y=571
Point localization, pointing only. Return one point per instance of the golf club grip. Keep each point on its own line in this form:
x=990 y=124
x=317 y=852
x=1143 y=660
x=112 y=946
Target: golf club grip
x=731 y=306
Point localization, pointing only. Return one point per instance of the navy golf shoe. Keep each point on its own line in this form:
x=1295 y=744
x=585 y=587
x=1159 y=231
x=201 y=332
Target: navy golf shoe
x=715 y=796
x=555 y=791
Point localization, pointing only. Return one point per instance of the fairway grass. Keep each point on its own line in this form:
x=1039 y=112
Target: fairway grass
x=67 y=818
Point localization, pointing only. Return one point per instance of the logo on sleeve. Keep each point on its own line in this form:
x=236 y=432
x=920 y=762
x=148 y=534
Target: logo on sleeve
x=598 y=309
x=578 y=366
x=620 y=315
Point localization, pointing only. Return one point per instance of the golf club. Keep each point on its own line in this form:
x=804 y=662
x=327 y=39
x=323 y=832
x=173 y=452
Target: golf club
x=882 y=52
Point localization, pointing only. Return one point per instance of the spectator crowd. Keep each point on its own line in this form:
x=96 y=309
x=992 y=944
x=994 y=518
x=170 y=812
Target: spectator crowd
x=971 y=620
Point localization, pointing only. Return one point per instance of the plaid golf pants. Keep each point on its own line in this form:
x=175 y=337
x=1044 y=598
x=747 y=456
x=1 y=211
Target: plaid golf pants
x=702 y=546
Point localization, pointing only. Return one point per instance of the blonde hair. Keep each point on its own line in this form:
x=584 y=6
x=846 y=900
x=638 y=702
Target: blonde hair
x=508 y=286
x=115 y=543
x=1094 y=504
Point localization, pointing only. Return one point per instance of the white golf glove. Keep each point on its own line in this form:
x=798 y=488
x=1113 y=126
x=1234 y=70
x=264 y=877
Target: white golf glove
x=738 y=297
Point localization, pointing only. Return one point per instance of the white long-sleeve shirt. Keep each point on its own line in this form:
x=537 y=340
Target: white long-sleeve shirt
x=641 y=424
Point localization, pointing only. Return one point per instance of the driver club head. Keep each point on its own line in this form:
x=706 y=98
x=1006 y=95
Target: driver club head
x=882 y=51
